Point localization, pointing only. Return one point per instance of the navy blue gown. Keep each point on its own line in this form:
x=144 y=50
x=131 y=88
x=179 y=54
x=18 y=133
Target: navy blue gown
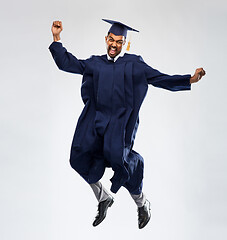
x=112 y=93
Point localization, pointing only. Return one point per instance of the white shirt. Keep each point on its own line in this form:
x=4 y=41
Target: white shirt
x=115 y=59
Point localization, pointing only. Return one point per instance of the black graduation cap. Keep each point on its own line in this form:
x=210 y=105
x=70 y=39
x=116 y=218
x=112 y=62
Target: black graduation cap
x=119 y=28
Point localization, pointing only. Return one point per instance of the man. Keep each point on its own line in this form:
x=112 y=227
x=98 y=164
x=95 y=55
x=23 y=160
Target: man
x=113 y=89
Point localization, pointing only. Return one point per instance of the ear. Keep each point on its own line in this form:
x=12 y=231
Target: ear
x=106 y=38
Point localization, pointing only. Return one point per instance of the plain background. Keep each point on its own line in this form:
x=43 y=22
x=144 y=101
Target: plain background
x=182 y=135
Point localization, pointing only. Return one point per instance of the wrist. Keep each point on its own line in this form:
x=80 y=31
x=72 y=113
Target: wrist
x=193 y=79
x=56 y=38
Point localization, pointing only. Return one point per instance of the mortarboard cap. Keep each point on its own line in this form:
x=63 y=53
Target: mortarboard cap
x=119 y=28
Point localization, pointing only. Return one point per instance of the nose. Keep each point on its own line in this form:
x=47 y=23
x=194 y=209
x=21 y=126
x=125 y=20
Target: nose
x=114 y=44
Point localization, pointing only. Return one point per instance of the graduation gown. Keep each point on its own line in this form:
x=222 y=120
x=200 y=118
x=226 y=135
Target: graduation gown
x=112 y=93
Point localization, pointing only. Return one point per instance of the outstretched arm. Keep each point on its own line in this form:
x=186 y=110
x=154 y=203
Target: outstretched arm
x=64 y=59
x=171 y=82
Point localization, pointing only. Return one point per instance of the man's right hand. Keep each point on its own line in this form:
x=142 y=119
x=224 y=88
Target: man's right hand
x=56 y=29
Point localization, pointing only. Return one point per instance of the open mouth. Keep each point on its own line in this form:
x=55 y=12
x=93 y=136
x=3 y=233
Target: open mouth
x=113 y=50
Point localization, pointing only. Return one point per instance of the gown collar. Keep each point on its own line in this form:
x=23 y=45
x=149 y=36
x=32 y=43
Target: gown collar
x=121 y=54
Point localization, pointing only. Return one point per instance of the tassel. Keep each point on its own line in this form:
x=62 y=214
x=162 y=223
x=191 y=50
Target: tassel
x=129 y=43
x=128 y=47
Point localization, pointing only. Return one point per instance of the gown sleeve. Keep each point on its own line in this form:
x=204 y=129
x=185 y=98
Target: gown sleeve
x=65 y=60
x=169 y=82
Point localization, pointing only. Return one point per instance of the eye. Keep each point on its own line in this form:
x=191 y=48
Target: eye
x=120 y=42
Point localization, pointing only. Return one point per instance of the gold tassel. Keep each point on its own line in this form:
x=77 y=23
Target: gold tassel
x=128 y=47
x=129 y=42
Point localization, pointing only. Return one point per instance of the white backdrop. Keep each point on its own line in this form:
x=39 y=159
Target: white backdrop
x=182 y=135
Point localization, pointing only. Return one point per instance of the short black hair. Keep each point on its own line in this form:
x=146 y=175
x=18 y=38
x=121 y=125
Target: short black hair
x=109 y=33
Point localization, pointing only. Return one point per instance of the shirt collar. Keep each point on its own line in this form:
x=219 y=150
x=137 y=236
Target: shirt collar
x=115 y=59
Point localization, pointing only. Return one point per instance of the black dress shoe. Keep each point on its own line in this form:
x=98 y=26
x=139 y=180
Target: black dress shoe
x=144 y=214
x=102 y=209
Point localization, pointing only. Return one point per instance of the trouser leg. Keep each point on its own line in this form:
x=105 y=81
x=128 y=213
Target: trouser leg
x=139 y=199
x=100 y=192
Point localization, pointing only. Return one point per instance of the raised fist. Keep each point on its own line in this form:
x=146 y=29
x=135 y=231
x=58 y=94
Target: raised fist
x=199 y=73
x=56 y=28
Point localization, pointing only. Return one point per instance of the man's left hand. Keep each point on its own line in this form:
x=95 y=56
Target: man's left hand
x=199 y=73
